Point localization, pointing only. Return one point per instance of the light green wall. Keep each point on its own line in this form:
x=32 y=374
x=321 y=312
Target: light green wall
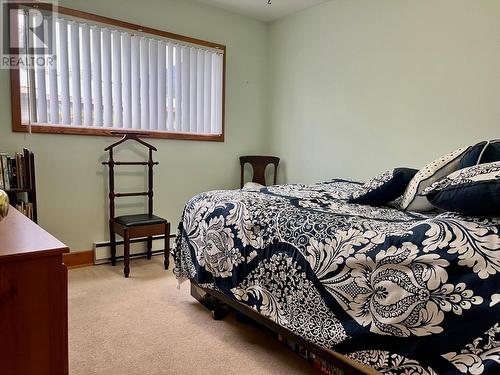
x=359 y=86
x=347 y=88
x=70 y=180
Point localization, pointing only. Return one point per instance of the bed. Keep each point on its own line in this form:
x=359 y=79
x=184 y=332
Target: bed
x=398 y=291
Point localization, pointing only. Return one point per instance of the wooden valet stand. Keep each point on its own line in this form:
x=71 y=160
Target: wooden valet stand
x=138 y=225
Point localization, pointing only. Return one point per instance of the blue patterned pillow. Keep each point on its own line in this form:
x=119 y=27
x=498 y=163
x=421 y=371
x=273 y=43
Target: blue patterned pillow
x=432 y=172
x=471 y=191
x=384 y=188
x=483 y=152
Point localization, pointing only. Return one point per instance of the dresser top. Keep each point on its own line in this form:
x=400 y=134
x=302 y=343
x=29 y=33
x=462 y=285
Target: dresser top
x=21 y=237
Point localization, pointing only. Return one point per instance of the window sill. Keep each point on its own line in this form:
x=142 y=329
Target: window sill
x=48 y=129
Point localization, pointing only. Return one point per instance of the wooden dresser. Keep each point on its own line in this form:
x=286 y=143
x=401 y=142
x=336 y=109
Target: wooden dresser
x=33 y=299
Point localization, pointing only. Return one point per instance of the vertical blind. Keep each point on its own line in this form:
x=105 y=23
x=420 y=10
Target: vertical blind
x=112 y=78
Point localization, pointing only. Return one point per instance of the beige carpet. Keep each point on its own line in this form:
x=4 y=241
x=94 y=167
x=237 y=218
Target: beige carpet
x=144 y=325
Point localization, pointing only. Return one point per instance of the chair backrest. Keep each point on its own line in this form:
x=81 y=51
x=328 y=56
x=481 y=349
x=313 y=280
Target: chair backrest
x=259 y=164
x=111 y=163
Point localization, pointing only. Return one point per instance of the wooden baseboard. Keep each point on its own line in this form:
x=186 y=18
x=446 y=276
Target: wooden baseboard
x=79 y=259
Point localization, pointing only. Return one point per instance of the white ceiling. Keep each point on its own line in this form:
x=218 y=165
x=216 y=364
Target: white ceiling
x=260 y=9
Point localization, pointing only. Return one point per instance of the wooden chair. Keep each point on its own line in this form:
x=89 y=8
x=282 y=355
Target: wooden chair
x=259 y=164
x=139 y=225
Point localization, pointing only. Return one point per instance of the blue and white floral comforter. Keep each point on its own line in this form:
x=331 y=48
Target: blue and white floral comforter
x=398 y=291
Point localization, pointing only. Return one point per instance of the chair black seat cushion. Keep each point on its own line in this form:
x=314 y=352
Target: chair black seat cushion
x=139 y=220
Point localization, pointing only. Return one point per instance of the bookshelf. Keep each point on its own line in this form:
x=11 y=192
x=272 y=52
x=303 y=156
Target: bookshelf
x=17 y=179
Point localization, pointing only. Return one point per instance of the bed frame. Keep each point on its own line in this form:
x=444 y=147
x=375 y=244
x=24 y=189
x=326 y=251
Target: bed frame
x=219 y=304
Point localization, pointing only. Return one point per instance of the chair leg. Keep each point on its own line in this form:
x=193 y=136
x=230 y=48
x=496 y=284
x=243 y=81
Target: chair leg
x=166 y=261
x=126 y=253
x=112 y=241
x=149 y=247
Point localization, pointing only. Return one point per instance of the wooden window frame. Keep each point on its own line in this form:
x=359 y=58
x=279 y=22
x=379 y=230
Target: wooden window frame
x=20 y=127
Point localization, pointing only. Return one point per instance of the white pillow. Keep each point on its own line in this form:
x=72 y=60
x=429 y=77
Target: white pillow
x=252 y=186
x=449 y=163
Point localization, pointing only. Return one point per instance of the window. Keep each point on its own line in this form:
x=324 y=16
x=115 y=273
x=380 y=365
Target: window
x=109 y=75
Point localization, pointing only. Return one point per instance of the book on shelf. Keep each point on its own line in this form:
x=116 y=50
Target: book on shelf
x=17 y=178
x=2 y=184
x=5 y=171
x=26 y=208
x=14 y=170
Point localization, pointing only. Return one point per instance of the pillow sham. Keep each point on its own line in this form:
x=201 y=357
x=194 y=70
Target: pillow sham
x=483 y=152
x=384 y=188
x=473 y=191
x=425 y=177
